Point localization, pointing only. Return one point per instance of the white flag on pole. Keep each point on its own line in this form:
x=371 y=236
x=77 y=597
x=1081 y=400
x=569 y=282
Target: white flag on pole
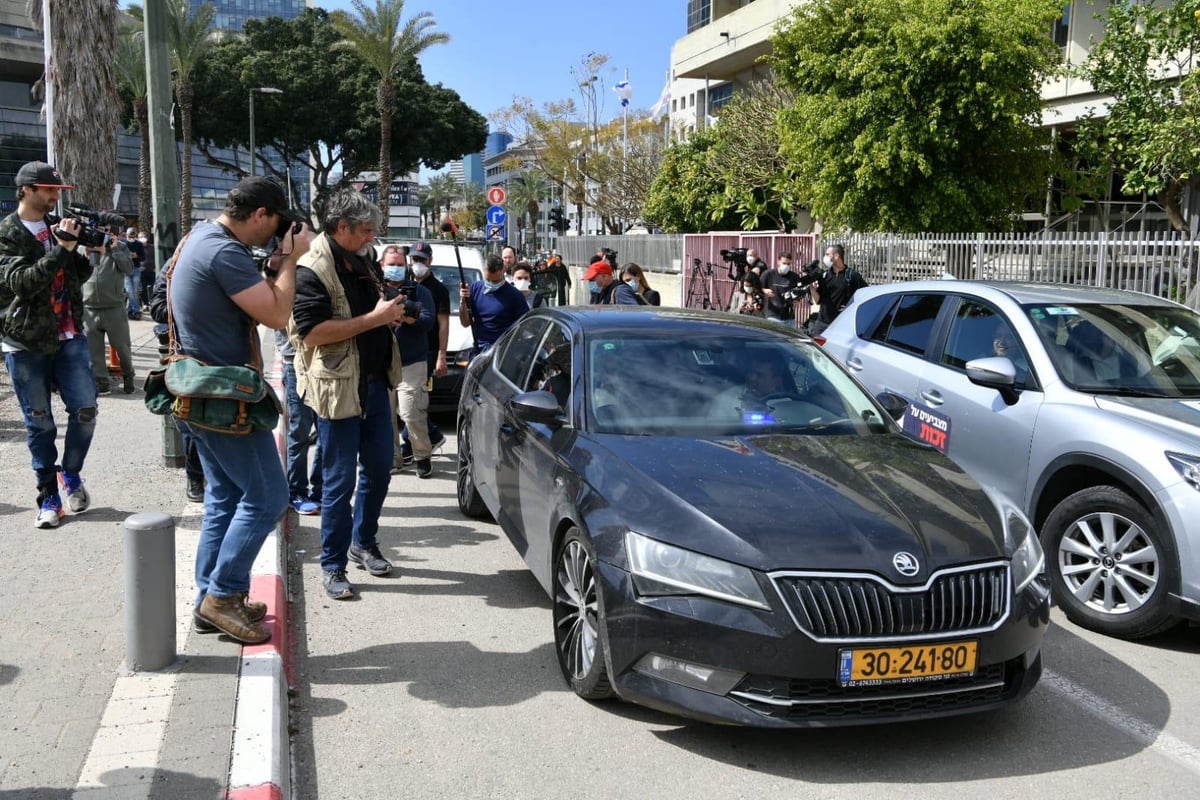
x=664 y=100
x=624 y=91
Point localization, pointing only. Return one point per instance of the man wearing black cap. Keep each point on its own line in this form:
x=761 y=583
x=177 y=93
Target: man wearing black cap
x=217 y=298
x=42 y=271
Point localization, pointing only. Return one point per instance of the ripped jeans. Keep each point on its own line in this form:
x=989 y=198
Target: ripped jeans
x=34 y=376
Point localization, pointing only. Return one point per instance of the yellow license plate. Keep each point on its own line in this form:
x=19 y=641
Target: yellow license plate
x=870 y=666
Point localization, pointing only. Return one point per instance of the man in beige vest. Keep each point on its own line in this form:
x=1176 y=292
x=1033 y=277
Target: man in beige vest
x=346 y=362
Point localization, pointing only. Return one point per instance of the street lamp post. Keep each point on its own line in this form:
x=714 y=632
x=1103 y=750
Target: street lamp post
x=253 y=155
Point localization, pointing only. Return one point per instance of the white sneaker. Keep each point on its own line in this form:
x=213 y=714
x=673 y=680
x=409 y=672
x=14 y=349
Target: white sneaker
x=50 y=513
x=78 y=498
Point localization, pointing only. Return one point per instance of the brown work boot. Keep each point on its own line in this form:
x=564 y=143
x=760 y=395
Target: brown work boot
x=229 y=616
x=255 y=609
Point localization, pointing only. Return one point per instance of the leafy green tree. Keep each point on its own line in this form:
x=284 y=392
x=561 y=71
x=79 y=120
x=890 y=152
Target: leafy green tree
x=1151 y=132
x=917 y=115
x=327 y=115
x=378 y=38
x=189 y=33
x=441 y=191
x=688 y=194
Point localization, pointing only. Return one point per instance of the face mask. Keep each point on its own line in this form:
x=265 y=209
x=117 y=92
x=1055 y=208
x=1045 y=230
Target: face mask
x=632 y=283
x=394 y=273
x=490 y=286
x=593 y=288
x=522 y=284
x=420 y=270
x=827 y=261
x=784 y=269
x=748 y=289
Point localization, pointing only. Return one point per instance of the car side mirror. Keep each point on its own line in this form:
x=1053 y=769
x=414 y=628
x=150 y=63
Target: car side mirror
x=893 y=404
x=995 y=372
x=538 y=406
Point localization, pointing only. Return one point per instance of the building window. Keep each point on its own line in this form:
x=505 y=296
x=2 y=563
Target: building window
x=719 y=96
x=1062 y=28
x=699 y=14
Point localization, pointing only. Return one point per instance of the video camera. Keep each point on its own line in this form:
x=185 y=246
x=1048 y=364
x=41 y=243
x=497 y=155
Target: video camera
x=736 y=259
x=93 y=224
x=810 y=273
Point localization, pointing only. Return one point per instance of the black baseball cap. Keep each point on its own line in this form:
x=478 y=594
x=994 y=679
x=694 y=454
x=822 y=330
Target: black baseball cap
x=421 y=250
x=262 y=192
x=39 y=173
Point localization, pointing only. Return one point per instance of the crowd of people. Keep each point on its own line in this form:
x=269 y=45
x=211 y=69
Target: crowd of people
x=772 y=292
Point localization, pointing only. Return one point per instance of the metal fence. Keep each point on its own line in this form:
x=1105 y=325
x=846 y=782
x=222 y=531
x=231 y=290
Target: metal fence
x=657 y=253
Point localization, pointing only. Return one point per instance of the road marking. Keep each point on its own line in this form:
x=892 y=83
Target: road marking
x=1153 y=737
x=124 y=752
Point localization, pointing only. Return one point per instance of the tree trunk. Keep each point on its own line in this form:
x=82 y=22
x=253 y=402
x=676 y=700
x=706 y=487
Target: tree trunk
x=184 y=93
x=1171 y=198
x=145 y=200
x=386 y=98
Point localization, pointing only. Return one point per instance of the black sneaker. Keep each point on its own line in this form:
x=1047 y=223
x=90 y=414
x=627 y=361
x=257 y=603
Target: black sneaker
x=436 y=445
x=195 y=490
x=128 y=386
x=370 y=559
x=424 y=467
x=337 y=585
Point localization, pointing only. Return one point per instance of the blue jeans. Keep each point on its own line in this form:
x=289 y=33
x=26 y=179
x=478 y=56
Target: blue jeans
x=345 y=444
x=133 y=291
x=32 y=375
x=245 y=496
x=300 y=424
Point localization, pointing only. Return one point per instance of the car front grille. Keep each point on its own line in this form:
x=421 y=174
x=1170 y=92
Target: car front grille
x=847 y=607
x=815 y=700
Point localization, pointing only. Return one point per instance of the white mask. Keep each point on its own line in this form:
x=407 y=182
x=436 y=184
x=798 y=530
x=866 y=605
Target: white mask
x=827 y=261
x=420 y=270
x=784 y=269
x=521 y=283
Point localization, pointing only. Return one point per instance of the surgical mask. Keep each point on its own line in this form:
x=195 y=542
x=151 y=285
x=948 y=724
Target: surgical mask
x=593 y=288
x=491 y=286
x=784 y=269
x=394 y=273
x=420 y=270
x=827 y=261
x=632 y=283
x=522 y=284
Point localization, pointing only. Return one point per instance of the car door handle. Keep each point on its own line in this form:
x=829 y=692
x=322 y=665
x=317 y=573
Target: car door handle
x=934 y=398
x=854 y=364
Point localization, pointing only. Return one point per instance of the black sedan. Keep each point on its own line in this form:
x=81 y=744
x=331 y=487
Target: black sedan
x=733 y=530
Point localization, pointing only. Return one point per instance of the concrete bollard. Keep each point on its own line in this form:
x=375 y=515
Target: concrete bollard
x=149 y=591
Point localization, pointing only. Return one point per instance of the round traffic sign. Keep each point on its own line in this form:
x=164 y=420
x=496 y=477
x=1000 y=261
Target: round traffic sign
x=496 y=195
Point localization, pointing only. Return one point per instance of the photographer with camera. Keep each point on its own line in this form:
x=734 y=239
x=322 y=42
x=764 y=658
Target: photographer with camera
x=748 y=298
x=779 y=285
x=410 y=399
x=104 y=312
x=834 y=290
x=42 y=272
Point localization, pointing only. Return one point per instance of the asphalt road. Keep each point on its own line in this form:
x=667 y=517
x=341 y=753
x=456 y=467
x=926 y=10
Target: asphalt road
x=443 y=683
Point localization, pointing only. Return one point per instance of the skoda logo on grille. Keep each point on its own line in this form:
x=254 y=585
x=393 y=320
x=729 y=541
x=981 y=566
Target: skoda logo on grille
x=906 y=564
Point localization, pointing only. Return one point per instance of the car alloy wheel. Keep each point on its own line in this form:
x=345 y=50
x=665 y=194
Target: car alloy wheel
x=469 y=501
x=577 y=633
x=1111 y=566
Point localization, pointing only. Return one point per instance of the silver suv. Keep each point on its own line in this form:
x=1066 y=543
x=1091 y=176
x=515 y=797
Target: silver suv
x=1080 y=404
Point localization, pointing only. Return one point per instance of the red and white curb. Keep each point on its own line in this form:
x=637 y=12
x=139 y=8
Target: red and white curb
x=259 y=764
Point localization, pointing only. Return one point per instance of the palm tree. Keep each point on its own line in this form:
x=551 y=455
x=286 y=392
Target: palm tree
x=86 y=106
x=441 y=190
x=376 y=35
x=190 y=34
x=525 y=195
x=131 y=76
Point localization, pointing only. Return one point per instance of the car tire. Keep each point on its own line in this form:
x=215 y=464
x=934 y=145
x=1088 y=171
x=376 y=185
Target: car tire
x=469 y=501
x=1090 y=539
x=578 y=627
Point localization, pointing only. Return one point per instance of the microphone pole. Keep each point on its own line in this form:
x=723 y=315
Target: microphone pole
x=449 y=227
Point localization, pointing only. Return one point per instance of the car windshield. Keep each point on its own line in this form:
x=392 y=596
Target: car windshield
x=718 y=384
x=449 y=278
x=1136 y=350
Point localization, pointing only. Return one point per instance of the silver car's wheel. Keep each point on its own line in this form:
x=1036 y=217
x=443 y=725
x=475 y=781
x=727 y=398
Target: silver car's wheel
x=577 y=635
x=1111 y=567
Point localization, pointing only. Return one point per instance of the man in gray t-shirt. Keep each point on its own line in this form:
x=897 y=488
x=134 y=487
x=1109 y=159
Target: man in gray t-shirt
x=217 y=298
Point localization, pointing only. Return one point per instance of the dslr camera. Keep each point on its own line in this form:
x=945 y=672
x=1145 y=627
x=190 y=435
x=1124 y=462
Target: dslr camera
x=93 y=224
x=411 y=307
x=810 y=273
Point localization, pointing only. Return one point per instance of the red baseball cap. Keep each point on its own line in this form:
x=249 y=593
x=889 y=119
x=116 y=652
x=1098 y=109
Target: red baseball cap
x=598 y=268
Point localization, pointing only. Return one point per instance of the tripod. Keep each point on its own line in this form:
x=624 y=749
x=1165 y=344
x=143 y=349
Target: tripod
x=698 y=286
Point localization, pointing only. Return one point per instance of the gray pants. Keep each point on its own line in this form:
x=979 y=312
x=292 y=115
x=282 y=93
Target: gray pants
x=114 y=323
x=412 y=404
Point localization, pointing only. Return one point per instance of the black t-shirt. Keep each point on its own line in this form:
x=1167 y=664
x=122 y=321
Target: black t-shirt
x=836 y=290
x=441 y=305
x=780 y=285
x=314 y=306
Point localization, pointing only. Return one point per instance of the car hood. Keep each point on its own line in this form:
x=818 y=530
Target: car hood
x=1176 y=418
x=801 y=502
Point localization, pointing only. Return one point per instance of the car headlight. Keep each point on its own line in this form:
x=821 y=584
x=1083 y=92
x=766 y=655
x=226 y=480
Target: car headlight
x=1187 y=466
x=1028 y=560
x=663 y=569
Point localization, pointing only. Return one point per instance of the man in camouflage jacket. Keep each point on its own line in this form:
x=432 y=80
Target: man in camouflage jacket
x=42 y=270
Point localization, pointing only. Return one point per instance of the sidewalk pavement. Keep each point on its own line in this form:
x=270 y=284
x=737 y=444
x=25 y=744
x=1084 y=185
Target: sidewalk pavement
x=74 y=722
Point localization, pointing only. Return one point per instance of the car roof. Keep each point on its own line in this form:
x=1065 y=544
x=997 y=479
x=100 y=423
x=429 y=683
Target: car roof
x=1023 y=293
x=659 y=320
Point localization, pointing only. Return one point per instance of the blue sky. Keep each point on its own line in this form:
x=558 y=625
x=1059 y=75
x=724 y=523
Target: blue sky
x=502 y=48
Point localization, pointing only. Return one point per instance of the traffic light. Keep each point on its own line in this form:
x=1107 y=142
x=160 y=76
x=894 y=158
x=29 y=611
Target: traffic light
x=558 y=220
